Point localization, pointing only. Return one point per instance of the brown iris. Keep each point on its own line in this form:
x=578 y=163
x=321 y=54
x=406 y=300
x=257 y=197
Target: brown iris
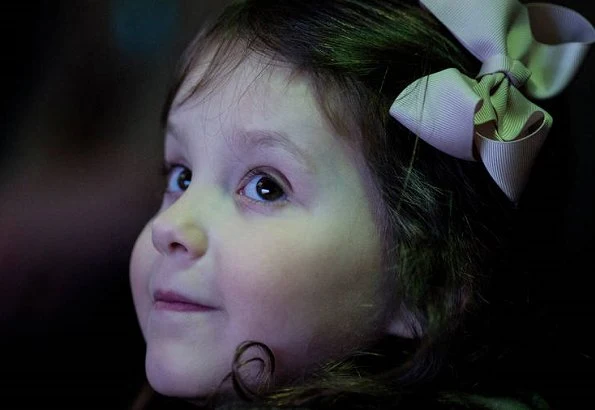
x=268 y=189
x=184 y=179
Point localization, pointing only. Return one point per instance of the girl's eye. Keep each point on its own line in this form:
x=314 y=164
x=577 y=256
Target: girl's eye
x=178 y=178
x=261 y=187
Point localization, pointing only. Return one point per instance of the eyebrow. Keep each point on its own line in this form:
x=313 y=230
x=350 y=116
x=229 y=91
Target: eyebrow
x=258 y=138
x=271 y=139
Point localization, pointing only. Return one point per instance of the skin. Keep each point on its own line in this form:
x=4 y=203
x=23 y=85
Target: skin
x=301 y=273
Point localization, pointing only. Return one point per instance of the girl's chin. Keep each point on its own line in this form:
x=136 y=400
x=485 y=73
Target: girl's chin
x=169 y=379
x=223 y=394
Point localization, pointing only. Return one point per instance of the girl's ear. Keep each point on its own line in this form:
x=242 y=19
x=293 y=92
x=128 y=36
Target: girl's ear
x=404 y=324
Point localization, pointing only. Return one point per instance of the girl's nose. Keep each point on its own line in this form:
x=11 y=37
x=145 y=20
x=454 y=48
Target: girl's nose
x=176 y=231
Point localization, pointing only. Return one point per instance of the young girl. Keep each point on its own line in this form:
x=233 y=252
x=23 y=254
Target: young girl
x=337 y=178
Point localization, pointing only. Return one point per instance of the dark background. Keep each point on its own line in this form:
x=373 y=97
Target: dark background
x=83 y=82
x=80 y=152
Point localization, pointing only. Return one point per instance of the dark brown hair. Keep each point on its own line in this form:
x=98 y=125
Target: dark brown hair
x=437 y=213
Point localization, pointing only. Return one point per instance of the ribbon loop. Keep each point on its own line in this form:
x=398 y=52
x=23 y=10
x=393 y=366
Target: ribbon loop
x=536 y=47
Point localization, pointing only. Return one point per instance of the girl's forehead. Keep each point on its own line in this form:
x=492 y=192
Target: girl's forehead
x=236 y=70
x=254 y=96
x=253 y=91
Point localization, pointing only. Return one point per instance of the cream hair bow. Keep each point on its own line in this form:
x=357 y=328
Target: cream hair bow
x=533 y=49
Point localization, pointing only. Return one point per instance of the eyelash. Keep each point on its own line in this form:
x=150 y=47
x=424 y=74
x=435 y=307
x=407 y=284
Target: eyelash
x=167 y=168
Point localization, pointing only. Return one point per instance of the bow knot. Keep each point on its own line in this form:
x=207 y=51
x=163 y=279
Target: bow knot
x=515 y=70
x=536 y=47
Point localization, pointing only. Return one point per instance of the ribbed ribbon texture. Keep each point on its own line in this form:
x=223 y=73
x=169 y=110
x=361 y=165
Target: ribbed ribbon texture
x=528 y=51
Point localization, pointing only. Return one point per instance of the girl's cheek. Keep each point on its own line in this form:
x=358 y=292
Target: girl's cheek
x=269 y=275
x=140 y=265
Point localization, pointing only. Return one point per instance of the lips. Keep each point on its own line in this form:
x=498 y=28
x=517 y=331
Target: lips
x=167 y=300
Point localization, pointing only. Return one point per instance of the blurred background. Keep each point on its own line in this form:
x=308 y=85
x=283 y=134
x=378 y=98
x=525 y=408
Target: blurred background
x=80 y=154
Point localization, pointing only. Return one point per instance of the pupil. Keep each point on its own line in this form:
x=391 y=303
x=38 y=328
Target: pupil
x=268 y=189
x=184 y=179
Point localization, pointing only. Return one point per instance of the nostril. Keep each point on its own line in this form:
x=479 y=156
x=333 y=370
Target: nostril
x=177 y=247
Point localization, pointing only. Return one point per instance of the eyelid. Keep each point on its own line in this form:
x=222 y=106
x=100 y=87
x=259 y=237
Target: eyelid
x=277 y=177
x=167 y=168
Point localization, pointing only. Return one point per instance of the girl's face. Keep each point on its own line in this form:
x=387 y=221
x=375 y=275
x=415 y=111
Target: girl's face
x=266 y=232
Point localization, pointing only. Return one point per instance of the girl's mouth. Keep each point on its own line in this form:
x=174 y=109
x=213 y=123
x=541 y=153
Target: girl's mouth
x=168 y=300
